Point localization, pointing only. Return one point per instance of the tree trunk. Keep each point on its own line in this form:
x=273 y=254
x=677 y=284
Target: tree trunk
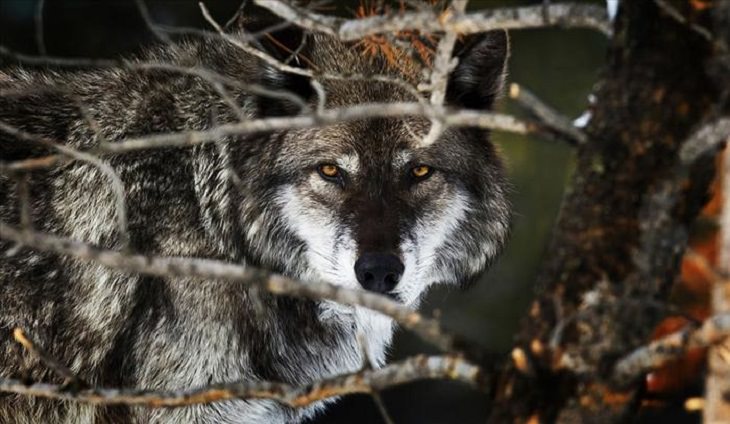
x=623 y=226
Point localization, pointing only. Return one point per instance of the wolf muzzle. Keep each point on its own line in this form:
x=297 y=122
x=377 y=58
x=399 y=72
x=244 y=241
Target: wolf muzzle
x=379 y=272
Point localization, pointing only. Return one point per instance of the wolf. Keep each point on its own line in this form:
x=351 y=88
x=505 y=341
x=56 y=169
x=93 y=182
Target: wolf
x=360 y=204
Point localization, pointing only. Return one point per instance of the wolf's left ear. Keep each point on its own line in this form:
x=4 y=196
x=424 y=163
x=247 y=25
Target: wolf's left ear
x=479 y=77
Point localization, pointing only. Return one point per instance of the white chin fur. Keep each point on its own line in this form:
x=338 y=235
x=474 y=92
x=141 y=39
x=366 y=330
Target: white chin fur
x=331 y=257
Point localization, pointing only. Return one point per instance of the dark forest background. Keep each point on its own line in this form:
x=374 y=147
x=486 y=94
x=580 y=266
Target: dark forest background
x=560 y=66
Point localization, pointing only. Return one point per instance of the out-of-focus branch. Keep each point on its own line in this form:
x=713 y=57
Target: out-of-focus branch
x=657 y=353
x=676 y=15
x=428 y=329
x=30 y=164
x=704 y=140
x=554 y=121
x=442 y=66
x=564 y=15
x=40 y=40
x=443 y=60
x=490 y=120
x=464 y=118
x=366 y=381
x=147 y=17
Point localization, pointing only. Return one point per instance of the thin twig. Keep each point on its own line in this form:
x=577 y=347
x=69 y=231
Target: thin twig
x=547 y=115
x=444 y=62
x=677 y=16
x=714 y=330
x=31 y=164
x=465 y=118
x=707 y=138
x=39 y=30
x=145 y=12
x=69 y=378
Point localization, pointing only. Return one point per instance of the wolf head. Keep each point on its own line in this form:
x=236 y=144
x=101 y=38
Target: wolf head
x=364 y=204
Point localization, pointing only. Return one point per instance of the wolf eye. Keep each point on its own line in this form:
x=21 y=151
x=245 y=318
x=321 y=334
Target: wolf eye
x=421 y=171
x=328 y=171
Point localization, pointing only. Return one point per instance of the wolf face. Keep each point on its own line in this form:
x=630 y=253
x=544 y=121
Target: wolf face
x=368 y=205
x=377 y=211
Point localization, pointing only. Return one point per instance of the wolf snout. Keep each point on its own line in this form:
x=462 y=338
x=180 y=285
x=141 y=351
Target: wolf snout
x=378 y=272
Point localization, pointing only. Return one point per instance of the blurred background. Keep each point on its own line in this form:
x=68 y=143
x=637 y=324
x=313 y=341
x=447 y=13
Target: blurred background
x=560 y=66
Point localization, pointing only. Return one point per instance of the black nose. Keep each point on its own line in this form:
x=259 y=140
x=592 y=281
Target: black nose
x=378 y=272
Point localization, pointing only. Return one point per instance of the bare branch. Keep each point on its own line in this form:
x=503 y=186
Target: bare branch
x=707 y=138
x=676 y=15
x=659 y=352
x=547 y=115
x=569 y=15
x=30 y=164
x=466 y=118
x=70 y=379
x=145 y=12
x=39 y=29
x=413 y=369
x=443 y=64
x=303 y=17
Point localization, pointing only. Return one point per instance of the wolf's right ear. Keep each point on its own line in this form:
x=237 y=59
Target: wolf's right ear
x=479 y=77
x=286 y=43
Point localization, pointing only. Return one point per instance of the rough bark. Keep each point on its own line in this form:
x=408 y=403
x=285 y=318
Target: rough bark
x=623 y=226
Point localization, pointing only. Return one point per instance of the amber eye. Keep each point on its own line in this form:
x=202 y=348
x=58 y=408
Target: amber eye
x=328 y=171
x=421 y=171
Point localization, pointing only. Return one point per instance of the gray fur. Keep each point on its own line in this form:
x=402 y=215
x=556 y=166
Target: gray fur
x=121 y=330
